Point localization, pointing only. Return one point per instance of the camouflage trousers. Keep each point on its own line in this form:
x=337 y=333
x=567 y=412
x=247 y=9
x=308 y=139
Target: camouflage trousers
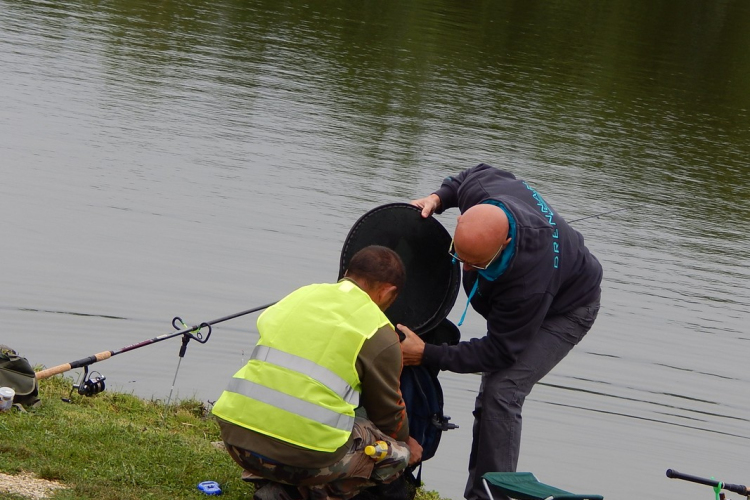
x=339 y=481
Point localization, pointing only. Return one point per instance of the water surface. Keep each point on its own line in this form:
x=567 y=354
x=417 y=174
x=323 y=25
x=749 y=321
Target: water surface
x=199 y=159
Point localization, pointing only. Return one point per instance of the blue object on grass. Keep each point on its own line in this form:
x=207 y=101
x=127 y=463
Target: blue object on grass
x=210 y=488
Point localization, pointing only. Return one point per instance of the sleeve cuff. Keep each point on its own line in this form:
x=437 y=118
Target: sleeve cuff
x=432 y=355
x=445 y=193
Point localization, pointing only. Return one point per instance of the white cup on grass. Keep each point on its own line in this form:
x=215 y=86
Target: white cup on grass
x=6 y=398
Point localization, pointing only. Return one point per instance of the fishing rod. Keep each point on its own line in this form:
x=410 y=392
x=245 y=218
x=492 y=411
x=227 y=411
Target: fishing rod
x=718 y=485
x=599 y=215
x=90 y=386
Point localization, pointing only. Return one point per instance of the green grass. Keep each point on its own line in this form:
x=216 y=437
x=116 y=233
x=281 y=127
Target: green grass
x=116 y=446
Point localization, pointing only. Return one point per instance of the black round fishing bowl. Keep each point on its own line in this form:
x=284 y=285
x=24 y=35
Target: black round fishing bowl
x=432 y=278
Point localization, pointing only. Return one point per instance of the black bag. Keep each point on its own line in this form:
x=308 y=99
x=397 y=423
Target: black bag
x=423 y=397
x=17 y=373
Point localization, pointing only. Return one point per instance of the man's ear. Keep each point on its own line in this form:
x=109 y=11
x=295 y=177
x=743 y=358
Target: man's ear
x=391 y=289
x=387 y=294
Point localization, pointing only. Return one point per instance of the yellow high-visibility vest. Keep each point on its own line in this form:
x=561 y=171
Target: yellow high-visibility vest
x=301 y=384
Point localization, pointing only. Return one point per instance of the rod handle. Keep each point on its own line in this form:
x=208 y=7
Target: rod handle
x=735 y=488
x=55 y=370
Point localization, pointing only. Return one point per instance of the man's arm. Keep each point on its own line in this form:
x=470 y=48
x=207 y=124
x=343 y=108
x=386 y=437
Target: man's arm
x=511 y=326
x=447 y=195
x=429 y=204
x=379 y=368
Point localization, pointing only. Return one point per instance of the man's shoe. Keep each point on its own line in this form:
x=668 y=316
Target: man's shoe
x=277 y=491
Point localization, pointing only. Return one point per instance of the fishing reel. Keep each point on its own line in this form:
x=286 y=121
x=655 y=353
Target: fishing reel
x=91 y=384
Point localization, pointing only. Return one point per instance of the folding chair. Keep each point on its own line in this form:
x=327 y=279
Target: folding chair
x=524 y=486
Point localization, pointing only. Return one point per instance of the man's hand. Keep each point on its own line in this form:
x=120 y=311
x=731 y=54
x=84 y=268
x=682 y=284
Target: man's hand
x=412 y=347
x=428 y=204
x=415 y=451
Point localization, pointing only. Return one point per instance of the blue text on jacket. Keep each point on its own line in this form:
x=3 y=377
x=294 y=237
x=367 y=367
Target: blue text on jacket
x=550 y=215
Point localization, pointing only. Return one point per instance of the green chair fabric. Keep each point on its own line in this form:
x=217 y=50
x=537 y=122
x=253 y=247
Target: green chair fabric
x=525 y=486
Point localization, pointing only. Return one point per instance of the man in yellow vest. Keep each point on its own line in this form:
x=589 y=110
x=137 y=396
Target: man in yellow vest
x=325 y=350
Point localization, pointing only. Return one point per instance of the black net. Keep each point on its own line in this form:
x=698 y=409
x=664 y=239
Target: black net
x=432 y=278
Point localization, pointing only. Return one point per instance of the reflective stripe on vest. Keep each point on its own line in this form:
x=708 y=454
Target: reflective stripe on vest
x=309 y=368
x=291 y=404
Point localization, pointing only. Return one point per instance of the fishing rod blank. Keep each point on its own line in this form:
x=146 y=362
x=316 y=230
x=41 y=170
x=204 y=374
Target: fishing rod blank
x=193 y=332
x=735 y=488
x=599 y=215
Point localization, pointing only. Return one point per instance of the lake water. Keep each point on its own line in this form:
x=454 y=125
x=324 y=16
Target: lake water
x=197 y=159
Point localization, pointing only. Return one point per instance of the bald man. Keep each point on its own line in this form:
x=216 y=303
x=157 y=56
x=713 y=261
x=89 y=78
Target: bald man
x=532 y=278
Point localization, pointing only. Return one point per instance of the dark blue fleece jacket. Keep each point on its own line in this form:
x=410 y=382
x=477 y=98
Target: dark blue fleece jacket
x=551 y=272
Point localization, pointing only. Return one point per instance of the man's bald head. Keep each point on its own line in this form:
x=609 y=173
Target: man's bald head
x=480 y=232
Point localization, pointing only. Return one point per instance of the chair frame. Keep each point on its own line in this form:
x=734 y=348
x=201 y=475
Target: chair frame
x=558 y=495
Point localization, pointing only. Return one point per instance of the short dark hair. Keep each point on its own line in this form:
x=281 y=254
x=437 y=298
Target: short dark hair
x=378 y=264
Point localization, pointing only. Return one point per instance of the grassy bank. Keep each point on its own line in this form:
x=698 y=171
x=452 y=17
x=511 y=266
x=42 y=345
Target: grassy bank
x=116 y=446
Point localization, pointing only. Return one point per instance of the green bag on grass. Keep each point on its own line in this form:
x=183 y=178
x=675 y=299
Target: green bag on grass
x=17 y=373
